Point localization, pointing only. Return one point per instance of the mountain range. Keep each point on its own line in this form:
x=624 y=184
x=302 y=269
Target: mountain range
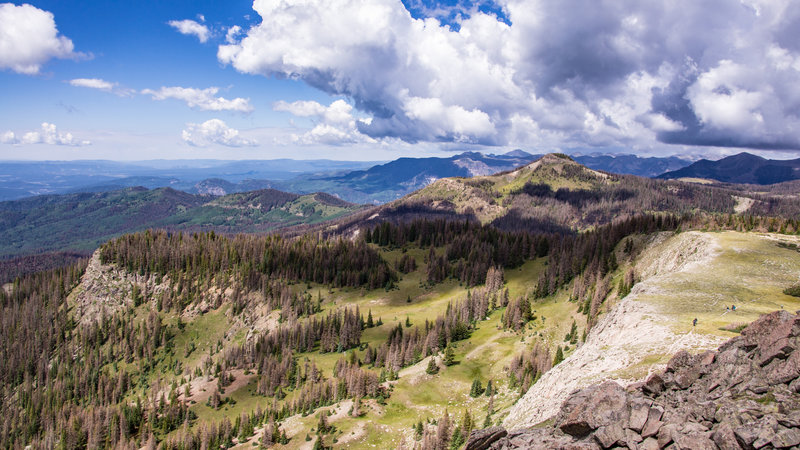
x=354 y=181
x=741 y=168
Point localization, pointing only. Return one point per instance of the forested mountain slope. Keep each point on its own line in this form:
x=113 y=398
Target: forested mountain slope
x=409 y=329
x=81 y=222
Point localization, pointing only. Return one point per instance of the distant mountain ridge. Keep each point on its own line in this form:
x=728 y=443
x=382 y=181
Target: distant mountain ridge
x=632 y=164
x=354 y=181
x=80 y=222
x=556 y=194
x=741 y=168
x=393 y=180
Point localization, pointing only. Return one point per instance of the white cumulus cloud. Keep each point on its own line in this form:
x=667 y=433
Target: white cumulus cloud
x=191 y=28
x=93 y=83
x=214 y=131
x=29 y=38
x=556 y=73
x=232 y=34
x=8 y=138
x=47 y=134
x=335 y=124
x=102 y=85
x=203 y=99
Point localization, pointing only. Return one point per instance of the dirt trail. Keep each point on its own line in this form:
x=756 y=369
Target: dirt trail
x=630 y=333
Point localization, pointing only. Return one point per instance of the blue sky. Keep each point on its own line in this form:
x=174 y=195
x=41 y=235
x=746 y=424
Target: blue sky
x=380 y=79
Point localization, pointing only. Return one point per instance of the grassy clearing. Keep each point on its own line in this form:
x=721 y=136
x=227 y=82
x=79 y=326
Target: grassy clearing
x=750 y=271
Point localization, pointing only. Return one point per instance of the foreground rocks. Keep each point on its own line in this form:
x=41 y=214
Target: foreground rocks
x=743 y=396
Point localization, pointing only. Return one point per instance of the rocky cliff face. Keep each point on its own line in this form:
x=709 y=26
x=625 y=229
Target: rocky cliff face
x=745 y=395
x=630 y=334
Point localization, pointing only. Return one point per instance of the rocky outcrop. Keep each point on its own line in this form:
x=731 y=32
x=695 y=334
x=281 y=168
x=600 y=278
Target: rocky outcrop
x=105 y=290
x=629 y=335
x=745 y=395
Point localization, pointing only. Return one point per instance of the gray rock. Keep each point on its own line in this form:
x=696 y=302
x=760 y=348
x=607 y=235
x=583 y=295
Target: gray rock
x=483 y=439
x=694 y=441
x=609 y=435
x=667 y=434
x=654 y=384
x=640 y=409
x=746 y=435
x=592 y=408
x=724 y=437
x=649 y=444
x=786 y=437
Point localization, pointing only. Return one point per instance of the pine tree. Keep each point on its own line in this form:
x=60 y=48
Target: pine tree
x=457 y=439
x=467 y=423
x=433 y=368
x=370 y=323
x=489 y=389
x=449 y=356
x=559 y=356
x=443 y=432
x=476 y=389
x=322 y=425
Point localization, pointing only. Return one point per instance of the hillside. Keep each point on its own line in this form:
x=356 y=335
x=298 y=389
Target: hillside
x=740 y=168
x=422 y=320
x=556 y=194
x=81 y=222
x=252 y=336
x=680 y=277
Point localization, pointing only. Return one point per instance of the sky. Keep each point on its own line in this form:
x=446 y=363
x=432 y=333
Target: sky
x=381 y=79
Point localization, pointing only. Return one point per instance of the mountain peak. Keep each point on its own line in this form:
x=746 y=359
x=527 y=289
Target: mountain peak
x=518 y=154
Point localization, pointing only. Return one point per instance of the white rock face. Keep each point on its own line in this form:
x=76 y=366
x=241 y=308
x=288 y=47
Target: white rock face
x=626 y=336
x=105 y=290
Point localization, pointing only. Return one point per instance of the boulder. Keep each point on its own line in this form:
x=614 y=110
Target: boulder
x=724 y=437
x=640 y=409
x=667 y=434
x=653 y=385
x=770 y=335
x=483 y=439
x=679 y=361
x=786 y=437
x=695 y=441
x=649 y=444
x=591 y=408
x=608 y=436
x=784 y=371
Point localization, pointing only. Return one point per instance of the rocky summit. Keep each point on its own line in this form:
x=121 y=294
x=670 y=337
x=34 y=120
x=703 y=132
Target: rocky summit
x=745 y=395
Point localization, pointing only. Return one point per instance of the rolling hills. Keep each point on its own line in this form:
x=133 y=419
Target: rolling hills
x=81 y=222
